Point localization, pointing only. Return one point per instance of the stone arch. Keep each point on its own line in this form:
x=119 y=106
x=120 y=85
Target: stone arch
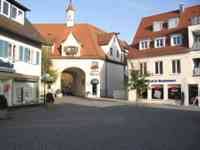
x=73 y=82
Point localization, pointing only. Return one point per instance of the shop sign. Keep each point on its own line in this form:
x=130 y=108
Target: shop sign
x=162 y=81
x=94 y=81
x=6 y=66
x=94 y=66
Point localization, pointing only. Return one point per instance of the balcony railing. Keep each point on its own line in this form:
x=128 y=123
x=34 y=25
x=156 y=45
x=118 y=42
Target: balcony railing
x=196 y=72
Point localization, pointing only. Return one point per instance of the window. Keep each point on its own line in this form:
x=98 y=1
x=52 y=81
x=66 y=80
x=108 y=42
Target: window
x=176 y=66
x=117 y=54
x=6 y=7
x=37 y=58
x=21 y=53
x=157 y=26
x=159 y=67
x=176 y=40
x=143 y=68
x=144 y=44
x=10 y=51
x=20 y=16
x=4 y=49
x=0 y=6
x=111 y=51
x=27 y=55
x=159 y=42
x=71 y=50
x=173 y=22
x=14 y=12
x=195 y=20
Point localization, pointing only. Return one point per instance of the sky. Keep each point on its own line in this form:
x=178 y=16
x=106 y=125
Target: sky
x=121 y=16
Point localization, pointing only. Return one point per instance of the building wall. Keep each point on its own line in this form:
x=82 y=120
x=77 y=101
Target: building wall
x=115 y=78
x=167 y=78
x=12 y=86
x=109 y=80
x=191 y=29
x=85 y=65
x=114 y=44
x=23 y=67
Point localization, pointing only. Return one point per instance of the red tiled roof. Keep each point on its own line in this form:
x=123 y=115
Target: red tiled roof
x=145 y=31
x=104 y=38
x=90 y=37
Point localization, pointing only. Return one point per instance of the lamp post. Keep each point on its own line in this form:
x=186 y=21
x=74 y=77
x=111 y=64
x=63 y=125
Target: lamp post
x=45 y=78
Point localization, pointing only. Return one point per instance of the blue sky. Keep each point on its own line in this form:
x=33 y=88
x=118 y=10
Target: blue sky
x=121 y=16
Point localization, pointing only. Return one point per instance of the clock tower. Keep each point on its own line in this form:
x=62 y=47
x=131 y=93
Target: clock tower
x=70 y=15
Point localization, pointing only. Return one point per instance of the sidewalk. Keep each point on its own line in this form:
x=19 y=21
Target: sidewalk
x=154 y=104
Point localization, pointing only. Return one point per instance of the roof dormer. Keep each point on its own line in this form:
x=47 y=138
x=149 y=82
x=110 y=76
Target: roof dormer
x=12 y=9
x=157 y=26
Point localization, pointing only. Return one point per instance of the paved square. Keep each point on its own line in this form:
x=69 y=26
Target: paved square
x=100 y=125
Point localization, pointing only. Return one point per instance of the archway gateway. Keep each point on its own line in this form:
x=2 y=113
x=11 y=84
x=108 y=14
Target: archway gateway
x=73 y=82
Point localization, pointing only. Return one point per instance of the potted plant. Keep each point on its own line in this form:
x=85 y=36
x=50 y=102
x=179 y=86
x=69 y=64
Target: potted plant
x=3 y=107
x=137 y=84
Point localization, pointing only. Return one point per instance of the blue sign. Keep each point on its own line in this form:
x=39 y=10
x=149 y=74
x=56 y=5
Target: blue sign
x=162 y=81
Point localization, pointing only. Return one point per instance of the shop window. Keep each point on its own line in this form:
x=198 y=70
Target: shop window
x=174 y=92
x=157 y=92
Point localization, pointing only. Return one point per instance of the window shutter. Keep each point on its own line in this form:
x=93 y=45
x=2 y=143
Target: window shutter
x=161 y=67
x=173 y=66
x=179 y=66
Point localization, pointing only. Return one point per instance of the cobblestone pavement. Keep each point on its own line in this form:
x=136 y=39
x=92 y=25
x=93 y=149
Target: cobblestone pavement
x=73 y=124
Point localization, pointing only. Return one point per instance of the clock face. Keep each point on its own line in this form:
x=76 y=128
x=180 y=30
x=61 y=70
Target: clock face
x=70 y=17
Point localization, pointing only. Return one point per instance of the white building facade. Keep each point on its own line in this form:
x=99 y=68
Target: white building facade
x=90 y=62
x=174 y=62
x=20 y=56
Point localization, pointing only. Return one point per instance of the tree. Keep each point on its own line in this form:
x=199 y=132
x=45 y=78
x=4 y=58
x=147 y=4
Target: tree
x=138 y=82
x=47 y=67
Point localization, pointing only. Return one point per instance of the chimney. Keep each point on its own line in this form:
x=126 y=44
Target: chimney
x=181 y=8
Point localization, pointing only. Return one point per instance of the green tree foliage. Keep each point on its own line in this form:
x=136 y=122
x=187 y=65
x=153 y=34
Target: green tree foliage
x=47 y=66
x=138 y=81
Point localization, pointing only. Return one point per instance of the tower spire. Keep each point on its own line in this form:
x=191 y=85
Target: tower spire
x=70 y=6
x=70 y=20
